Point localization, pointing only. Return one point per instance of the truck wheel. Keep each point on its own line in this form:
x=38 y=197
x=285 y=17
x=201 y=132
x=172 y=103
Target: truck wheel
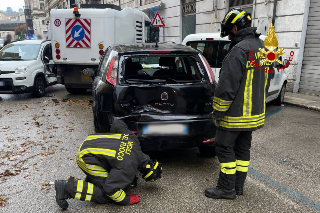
x=279 y=100
x=39 y=87
x=207 y=151
x=76 y=91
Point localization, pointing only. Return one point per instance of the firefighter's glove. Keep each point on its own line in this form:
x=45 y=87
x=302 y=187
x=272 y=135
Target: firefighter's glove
x=134 y=199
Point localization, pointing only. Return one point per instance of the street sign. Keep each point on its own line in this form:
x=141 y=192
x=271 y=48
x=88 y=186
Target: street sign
x=78 y=33
x=57 y=22
x=157 y=21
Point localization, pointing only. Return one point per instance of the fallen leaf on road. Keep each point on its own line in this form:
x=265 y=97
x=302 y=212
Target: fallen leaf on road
x=45 y=185
x=3 y=200
x=55 y=170
x=5 y=127
x=47 y=153
x=8 y=173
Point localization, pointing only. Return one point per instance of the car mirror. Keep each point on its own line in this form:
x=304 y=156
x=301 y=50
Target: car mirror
x=46 y=60
x=88 y=72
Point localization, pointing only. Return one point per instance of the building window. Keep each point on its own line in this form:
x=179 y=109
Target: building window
x=234 y=3
x=246 y=5
x=188 y=17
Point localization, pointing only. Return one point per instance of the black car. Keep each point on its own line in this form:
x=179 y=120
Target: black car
x=162 y=91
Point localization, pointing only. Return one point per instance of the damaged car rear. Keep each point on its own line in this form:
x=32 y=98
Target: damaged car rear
x=163 y=93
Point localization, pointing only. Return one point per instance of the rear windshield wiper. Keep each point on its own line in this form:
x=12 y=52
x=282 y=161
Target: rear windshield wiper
x=154 y=81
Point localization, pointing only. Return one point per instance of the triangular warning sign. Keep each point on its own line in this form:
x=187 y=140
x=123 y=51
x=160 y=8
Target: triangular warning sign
x=157 y=21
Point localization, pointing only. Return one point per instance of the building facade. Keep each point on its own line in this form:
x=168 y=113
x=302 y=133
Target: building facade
x=55 y=4
x=35 y=18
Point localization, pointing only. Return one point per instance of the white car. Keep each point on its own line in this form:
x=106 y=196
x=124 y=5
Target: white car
x=26 y=66
x=214 y=49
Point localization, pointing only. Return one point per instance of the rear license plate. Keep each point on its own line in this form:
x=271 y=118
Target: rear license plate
x=165 y=129
x=2 y=83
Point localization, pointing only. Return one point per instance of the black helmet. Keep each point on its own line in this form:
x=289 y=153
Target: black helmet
x=152 y=171
x=235 y=16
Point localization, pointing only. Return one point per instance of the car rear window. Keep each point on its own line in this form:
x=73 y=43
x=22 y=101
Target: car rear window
x=213 y=51
x=168 y=69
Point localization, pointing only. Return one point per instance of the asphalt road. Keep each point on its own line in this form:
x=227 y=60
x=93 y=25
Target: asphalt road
x=39 y=140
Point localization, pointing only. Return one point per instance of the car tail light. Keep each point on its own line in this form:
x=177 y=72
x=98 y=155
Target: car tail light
x=101 y=52
x=112 y=72
x=209 y=39
x=134 y=132
x=57 y=51
x=209 y=70
x=58 y=57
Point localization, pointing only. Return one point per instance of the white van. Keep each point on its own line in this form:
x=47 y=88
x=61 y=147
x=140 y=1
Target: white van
x=25 y=67
x=214 y=49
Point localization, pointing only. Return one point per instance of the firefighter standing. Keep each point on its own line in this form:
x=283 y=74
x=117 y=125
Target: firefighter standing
x=239 y=104
x=110 y=162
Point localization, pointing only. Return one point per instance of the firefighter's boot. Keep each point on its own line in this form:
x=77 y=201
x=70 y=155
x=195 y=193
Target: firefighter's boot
x=239 y=190
x=219 y=193
x=61 y=194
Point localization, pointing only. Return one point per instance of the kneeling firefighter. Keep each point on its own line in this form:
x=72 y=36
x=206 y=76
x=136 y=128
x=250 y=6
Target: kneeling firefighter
x=110 y=162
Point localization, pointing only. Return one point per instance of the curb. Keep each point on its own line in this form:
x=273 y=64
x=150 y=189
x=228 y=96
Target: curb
x=302 y=106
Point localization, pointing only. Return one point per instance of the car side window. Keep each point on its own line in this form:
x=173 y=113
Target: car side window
x=103 y=63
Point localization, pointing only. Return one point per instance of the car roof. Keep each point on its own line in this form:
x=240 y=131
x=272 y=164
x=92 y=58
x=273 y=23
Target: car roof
x=168 y=46
x=31 y=42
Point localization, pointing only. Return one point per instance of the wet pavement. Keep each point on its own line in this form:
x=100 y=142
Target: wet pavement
x=39 y=139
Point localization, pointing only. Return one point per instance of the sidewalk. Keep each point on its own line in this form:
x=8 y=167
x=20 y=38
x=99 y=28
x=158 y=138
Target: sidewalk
x=303 y=100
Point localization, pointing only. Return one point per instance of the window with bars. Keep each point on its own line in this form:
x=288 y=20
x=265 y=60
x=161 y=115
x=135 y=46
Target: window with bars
x=233 y=3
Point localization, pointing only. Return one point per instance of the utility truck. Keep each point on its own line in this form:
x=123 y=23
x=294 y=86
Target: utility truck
x=80 y=36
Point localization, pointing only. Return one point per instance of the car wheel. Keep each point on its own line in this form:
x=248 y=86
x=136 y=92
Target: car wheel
x=39 y=87
x=279 y=100
x=76 y=91
x=207 y=151
x=99 y=128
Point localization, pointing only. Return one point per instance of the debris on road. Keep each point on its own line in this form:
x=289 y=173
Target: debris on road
x=55 y=101
x=47 y=153
x=3 y=200
x=46 y=186
x=8 y=173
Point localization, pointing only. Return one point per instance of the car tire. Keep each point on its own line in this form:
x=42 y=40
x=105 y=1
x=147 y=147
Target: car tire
x=99 y=128
x=76 y=91
x=279 y=100
x=39 y=87
x=207 y=151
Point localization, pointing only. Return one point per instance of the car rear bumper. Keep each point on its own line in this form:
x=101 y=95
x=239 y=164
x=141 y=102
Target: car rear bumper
x=200 y=133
